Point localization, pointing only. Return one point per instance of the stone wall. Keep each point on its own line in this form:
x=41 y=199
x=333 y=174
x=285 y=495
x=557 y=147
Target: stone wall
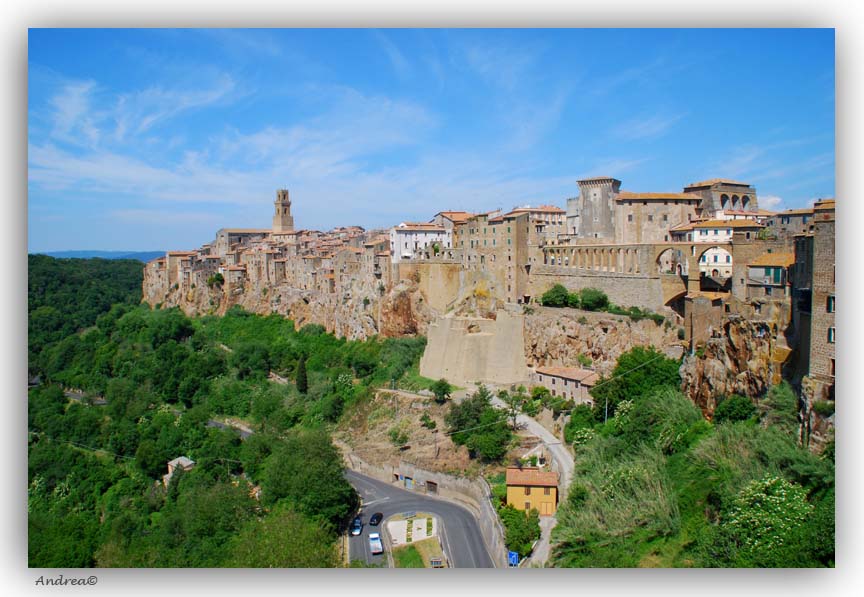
x=474 y=494
x=626 y=290
x=468 y=349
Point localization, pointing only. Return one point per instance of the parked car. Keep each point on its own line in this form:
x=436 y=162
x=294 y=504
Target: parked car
x=357 y=526
x=375 y=545
x=376 y=519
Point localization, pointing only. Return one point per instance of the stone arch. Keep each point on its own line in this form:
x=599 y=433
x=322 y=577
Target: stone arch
x=667 y=260
x=745 y=201
x=724 y=201
x=734 y=201
x=723 y=263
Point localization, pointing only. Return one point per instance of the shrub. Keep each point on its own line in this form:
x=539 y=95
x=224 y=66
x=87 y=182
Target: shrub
x=824 y=408
x=734 y=408
x=398 y=436
x=573 y=300
x=442 y=390
x=593 y=299
x=583 y=320
x=427 y=421
x=681 y=333
x=584 y=360
x=556 y=296
x=521 y=529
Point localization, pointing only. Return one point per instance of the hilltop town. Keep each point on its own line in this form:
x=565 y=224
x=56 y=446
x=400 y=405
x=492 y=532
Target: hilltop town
x=747 y=295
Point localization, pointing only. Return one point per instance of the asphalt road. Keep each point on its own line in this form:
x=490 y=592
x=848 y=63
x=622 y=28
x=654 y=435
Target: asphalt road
x=460 y=534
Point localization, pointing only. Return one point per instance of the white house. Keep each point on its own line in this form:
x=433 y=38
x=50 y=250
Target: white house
x=408 y=237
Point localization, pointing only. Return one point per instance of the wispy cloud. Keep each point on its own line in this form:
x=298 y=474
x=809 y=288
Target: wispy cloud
x=646 y=128
x=772 y=202
x=400 y=64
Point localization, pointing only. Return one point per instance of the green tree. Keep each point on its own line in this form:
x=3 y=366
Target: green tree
x=300 y=378
x=593 y=299
x=555 y=297
x=638 y=371
x=522 y=529
x=282 y=539
x=442 y=390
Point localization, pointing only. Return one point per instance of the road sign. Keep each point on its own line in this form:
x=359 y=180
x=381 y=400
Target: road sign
x=512 y=558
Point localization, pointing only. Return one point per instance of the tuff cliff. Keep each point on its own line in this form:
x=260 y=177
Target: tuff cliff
x=742 y=358
x=361 y=310
x=562 y=336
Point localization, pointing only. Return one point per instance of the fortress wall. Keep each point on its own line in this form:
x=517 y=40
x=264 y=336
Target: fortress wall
x=464 y=350
x=439 y=283
x=626 y=290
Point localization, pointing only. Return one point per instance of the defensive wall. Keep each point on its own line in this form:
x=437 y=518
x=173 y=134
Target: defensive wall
x=465 y=349
x=474 y=494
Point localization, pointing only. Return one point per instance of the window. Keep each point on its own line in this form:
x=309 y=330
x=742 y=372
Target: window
x=715 y=258
x=651 y=218
x=527 y=506
x=832 y=367
x=716 y=232
x=548 y=490
x=728 y=258
x=527 y=491
x=747 y=235
x=665 y=218
x=768 y=291
x=702 y=259
x=829 y=306
x=629 y=217
x=831 y=335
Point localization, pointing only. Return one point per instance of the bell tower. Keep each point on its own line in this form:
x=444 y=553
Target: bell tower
x=283 y=221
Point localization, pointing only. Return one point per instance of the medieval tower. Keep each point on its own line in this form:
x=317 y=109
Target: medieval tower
x=283 y=221
x=593 y=214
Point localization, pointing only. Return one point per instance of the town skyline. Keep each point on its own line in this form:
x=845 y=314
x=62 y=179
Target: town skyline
x=174 y=134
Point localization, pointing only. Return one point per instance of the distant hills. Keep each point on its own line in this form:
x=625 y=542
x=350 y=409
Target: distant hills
x=139 y=255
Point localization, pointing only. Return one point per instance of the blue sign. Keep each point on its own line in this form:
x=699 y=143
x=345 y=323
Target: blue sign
x=512 y=558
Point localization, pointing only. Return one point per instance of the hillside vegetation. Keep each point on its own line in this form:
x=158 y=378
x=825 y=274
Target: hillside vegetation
x=95 y=470
x=658 y=486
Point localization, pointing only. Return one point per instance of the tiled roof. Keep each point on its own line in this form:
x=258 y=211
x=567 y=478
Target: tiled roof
x=455 y=216
x=713 y=181
x=627 y=195
x=541 y=209
x=728 y=224
x=531 y=477
x=774 y=259
x=582 y=375
x=409 y=226
x=756 y=212
x=807 y=211
x=686 y=226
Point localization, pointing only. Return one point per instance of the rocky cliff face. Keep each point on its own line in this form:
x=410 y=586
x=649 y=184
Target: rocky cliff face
x=560 y=336
x=740 y=360
x=357 y=312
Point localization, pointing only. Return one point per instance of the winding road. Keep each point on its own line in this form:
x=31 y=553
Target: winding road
x=460 y=535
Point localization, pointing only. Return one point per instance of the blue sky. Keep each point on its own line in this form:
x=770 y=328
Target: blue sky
x=155 y=139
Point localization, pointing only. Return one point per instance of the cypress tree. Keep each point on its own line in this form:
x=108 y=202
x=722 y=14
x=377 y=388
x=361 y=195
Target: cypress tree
x=301 y=380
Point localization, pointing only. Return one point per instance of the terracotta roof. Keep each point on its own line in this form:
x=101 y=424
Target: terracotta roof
x=713 y=181
x=181 y=253
x=824 y=205
x=582 y=375
x=383 y=254
x=540 y=209
x=728 y=224
x=531 y=477
x=455 y=216
x=775 y=259
x=419 y=226
x=682 y=227
x=756 y=212
x=627 y=195
x=806 y=211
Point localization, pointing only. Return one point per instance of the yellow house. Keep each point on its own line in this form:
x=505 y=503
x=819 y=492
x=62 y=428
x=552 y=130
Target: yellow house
x=530 y=488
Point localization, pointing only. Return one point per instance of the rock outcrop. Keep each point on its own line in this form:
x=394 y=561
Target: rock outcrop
x=562 y=336
x=740 y=360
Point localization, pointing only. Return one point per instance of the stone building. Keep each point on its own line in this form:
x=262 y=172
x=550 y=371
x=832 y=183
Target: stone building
x=592 y=213
x=814 y=303
x=571 y=383
x=723 y=194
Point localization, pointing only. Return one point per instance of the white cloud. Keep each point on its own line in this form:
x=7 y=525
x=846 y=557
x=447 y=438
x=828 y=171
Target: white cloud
x=771 y=202
x=645 y=128
x=397 y=59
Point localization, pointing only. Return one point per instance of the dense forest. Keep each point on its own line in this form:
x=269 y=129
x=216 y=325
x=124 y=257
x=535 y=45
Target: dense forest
x=155 y=385
x=656 y=484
